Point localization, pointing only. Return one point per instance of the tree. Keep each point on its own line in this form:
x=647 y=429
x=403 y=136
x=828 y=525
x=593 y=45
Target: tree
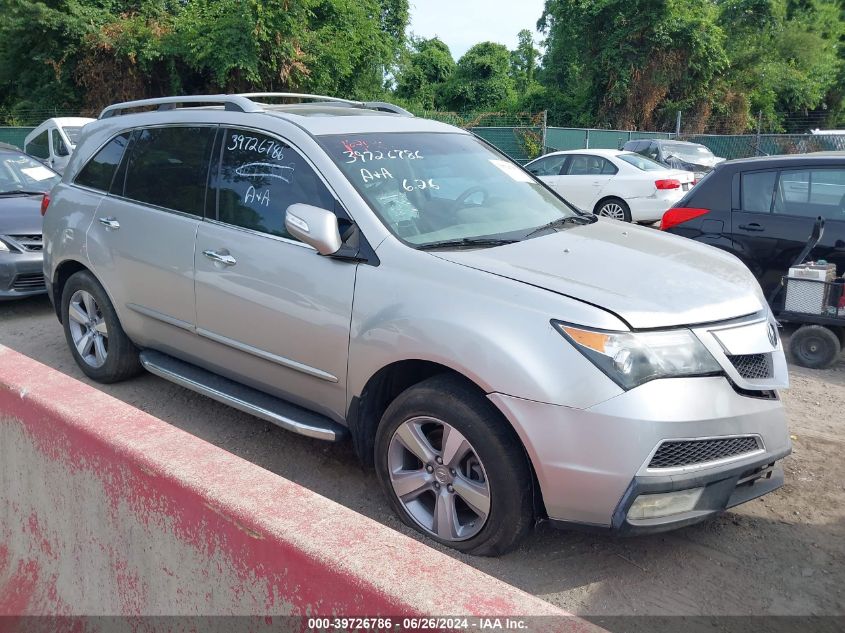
x=481 y=80
x=428 y=65
x=633 y=59
x=524 y=61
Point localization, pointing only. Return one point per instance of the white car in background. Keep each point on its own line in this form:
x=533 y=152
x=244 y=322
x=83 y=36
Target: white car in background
x=613 y=183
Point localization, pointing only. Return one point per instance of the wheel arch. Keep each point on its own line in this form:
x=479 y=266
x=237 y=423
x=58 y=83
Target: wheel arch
x=366 y=410
x=62 y=273
x=607 y=198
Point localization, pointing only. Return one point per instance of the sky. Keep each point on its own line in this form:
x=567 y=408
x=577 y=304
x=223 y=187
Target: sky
x=462 y=23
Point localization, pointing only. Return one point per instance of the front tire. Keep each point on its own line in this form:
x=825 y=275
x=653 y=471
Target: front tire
x=93 y=332
x=453 y=469
x=614 y=208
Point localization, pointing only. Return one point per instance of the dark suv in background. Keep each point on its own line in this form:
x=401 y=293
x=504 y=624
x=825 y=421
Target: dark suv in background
x=763 y=210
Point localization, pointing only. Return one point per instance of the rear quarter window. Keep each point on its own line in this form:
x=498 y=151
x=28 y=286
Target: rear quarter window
x=99 y=171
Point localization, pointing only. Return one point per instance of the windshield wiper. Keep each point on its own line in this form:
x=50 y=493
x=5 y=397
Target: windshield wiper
x=569 y=219
x=21 y=192
x=466 y=242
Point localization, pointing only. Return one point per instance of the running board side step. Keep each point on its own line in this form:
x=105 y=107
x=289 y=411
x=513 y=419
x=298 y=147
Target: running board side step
x=262 y=405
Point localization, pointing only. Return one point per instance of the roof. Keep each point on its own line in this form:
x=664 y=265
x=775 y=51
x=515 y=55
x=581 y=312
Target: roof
x=596 y=152
x=788 y=159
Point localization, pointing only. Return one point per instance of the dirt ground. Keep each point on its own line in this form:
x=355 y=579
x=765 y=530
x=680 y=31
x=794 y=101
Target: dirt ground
x=783 y=554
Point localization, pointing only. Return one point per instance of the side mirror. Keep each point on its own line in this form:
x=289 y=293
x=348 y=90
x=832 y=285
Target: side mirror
x=314 y=226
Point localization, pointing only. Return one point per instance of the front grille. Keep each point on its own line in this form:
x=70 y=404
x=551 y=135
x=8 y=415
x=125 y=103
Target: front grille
x=753 y=366
x=30 y=243
x=673 y=454
x=28 y=282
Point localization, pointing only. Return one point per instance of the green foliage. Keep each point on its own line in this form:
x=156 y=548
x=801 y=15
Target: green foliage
x=75 y=55
x=481 y=80
x=524 y=62
x=427 y=65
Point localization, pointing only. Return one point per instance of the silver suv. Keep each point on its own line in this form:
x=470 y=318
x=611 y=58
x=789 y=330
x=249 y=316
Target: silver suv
x=348 y=271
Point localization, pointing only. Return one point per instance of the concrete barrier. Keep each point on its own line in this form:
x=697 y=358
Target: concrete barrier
x=105 y=510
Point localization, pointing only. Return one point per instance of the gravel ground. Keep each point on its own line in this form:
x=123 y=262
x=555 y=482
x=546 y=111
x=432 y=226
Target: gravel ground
x=783 y=554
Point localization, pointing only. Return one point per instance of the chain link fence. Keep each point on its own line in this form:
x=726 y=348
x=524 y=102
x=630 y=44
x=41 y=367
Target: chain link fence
x=525 y=135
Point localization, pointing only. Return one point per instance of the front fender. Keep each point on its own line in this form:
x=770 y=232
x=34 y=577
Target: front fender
x=494 y=331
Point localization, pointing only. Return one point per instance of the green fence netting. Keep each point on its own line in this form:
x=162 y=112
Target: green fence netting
x=14 y=135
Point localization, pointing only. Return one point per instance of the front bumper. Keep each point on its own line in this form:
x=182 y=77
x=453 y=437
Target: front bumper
x=21 y=275
x=592 y=463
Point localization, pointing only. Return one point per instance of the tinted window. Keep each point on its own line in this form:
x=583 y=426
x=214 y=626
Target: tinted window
x=548 y=166
x=811 y=193
x=590 y=166
x=259 y=178
x=168 y=167
x=99 y=171
x=39 y=146
x=757 y=190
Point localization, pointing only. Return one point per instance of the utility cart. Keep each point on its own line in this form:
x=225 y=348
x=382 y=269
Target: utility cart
x=813 y=299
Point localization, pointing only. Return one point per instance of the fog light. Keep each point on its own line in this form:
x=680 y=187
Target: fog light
x=664 y=504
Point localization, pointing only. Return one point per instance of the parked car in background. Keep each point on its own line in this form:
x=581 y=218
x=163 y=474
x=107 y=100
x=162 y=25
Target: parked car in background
x=23 y=182
x=692 y=157
x=763 y=210
x=54 y=140
x=347 y=273
x=612 y=183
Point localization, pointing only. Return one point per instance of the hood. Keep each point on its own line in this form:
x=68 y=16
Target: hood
x=648 y=278
x=703 y=165
x=20 y=215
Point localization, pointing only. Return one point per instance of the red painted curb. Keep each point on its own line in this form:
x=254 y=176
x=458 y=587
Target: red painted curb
x=107 y=510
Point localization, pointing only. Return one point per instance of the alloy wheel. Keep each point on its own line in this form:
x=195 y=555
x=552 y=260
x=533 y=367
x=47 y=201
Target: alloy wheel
x=88 y=328
x=438 y=478
x=612 y=210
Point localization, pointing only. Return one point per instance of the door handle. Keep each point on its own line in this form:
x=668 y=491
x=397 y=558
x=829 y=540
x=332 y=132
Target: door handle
x=221 y=258
x=751 y=227
x=110 y=223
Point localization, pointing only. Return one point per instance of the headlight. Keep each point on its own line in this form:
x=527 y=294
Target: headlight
x=632 y=358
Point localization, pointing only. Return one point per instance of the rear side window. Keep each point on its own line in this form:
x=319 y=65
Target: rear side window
x=168 y=167
x=811 y=193
x=757 y=191
x=39 y=146
x=99 y=171
x=590 y=166
x=259 y=178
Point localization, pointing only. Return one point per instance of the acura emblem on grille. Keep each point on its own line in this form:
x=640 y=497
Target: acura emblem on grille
x=773 y=335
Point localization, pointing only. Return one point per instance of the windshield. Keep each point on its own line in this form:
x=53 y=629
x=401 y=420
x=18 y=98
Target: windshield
x=429 y=188
x=73 y=133
x=641 y=162
x=688 y=152
x=19 y=172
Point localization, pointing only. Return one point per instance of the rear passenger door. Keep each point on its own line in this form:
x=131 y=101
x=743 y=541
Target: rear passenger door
x=141 y=241
x=276 y=312
x=584 y=178
x=775 y=214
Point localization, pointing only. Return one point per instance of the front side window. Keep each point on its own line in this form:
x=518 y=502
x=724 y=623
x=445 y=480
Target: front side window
x=168 y=167
x=73 y=132
x=433 y=187
x=548 y=166
x=59 y=147
x=757 y=190
x=21 y=174
x=811 y=193
x=259 y=177
x=99 y=171
x=39 y=146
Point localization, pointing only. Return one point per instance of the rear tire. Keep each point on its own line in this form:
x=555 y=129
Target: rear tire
x=614 y=208
x=815 y=346
x=93 y=332
x=463 y=475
